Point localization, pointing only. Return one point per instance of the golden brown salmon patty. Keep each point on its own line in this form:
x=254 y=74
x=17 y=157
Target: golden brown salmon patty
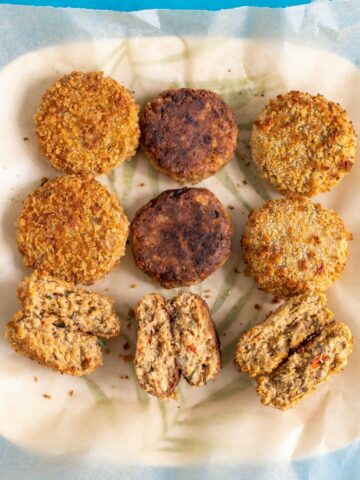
x=156 y=366
x=60 y=324
x=312 y=364
x=72 y=228
x=262 y=348
x=181 y=237
x=188 y=134
x=87 y=123
x=303 y=143
x=195 y=338
x=292 y=245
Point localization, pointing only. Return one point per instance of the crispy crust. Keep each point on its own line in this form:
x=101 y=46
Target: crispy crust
x=307 y=368
x=262 y=348
x=181 y=237
x=196 y=340
x=156 y=366
x=60 y=324
x=303 y=143
x=292 y=245
x=73 y=228
x=87 y=123
x=188 y=134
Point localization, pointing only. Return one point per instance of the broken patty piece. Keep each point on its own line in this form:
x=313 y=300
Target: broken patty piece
x=262 y=348
x=156 y=366
x=60 y=324
x=195 y=338
x=323 y=356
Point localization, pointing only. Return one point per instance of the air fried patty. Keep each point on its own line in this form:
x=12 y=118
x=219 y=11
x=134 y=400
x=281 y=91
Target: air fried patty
x=188 y=134
x=87 y=123
x=195 y=338
x=323 y=356
x=303 y=143
x=292 y=245
x=156 y=366
x=262 y=348
x=60 y=324
x=72 y=228
x=181 y=237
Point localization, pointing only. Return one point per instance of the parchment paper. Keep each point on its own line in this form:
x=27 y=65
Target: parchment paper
x=108 y=417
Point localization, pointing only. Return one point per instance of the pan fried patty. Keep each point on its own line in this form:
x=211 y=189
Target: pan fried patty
x=188 y=134
x=323 y=356
x=87 y=123
x=156 y=366
x=72 y=228
x=262 y=348
x=292 y=245
x=181 y=237
x=195 y=338
x=60 y=324
x=303 y=143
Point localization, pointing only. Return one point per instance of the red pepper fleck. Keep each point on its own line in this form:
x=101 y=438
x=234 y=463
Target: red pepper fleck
x=318 y=360
x=192 y=348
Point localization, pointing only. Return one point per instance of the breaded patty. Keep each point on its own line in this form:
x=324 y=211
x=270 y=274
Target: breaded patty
x=59 y=324
x=73 y=228
x=292 y=245
x=87 y=123
x=156 y=366
x=262 y=348
x=323 y=356
x=188 y=134
x=181 y=237
x=303 y=143
x=195 y=338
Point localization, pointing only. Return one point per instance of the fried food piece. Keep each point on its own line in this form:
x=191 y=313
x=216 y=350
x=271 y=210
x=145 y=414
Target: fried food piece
x=188 y=134
x=156 y=366
x=87 y=123
x=195 y=338
x=181 y=237
x=72 y=228
x=60 y=324
x=292 y=245
x=303 y=143
x=323 y=356
x=262 y=348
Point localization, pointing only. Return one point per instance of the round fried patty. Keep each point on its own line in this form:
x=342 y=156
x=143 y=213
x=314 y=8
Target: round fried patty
x=87 y=123
x=72 y=228
x=292 y=245
x=181 y=237
x=303 y=143
x=188 y=134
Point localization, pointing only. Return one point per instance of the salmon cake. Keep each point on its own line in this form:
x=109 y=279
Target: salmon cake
x=292 y=245
x=60 y=325
x=87 y=124
x=195 y=338
x=188 y=134
x=303 y=143
x=72 y=228
x=264 y=347
x=181 y=237
x=321 y=357
x=156 y=366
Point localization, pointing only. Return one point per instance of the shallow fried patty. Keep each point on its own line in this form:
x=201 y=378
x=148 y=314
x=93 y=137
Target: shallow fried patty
x=156 y=366
x=72 y=228
x=262 y=348
x=195 y=338
x=303 y=143
x=292 y=245
x=181 y=237
x=60 y=324
x=314 y=363
x=87 y=123
x=188 y=134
